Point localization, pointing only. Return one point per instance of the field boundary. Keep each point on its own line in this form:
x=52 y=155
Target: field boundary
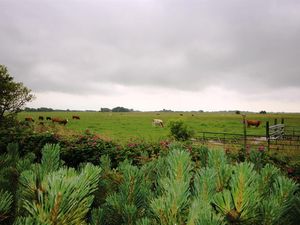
x=224 y=139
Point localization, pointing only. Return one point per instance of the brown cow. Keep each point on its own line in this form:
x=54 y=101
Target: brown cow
x=60 y=121
x=255 y=123
x=29 y=119
x=75 y=117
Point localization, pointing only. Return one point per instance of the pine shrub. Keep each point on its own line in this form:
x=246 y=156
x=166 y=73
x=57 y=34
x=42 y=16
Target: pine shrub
x=180 y=186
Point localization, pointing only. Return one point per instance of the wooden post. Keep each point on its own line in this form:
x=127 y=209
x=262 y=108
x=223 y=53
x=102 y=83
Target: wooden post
x=275 y=121
x=268 y=134
x=282 y=120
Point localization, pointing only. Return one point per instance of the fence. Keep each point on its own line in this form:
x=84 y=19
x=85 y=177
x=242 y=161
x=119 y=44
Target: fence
x=237 y=140
x=278 y=137
x=230 y=139
x=292 y=131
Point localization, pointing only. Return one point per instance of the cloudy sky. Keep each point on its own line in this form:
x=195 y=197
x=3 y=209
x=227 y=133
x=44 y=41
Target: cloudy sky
x=155 y=54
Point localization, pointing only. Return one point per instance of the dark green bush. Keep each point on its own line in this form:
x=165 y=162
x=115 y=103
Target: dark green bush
x=180 y=131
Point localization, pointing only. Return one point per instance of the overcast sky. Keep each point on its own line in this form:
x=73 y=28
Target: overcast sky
x=155 y=54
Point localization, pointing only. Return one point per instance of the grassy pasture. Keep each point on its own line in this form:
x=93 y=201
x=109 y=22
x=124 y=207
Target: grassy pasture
x=137 y=125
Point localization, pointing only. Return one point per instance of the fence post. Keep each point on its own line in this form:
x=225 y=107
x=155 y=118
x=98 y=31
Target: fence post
x=282 y=120
x=268 y=134
x=275 y=121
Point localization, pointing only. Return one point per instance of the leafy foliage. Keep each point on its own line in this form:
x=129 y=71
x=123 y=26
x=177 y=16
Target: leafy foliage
x=13 y=95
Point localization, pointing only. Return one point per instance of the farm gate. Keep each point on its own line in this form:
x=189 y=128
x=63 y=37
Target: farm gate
x=277 y=137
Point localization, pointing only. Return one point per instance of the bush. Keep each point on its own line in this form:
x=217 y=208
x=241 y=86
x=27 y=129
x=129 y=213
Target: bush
x=180 y=131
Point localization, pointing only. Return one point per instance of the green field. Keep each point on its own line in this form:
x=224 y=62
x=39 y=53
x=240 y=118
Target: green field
x=125 y=126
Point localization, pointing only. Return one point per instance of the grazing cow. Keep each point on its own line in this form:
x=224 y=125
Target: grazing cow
x=75 y=117
x=60 y=121
x=48 y=118
x=157 y=122
x=29 y=119
x=255 y=123
x=41 y=118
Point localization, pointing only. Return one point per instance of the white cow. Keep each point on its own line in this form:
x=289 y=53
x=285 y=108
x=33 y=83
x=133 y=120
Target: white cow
x=158 y=122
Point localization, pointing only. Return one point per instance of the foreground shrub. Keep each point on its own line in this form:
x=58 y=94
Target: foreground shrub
x=171 y=188
x=50 y=194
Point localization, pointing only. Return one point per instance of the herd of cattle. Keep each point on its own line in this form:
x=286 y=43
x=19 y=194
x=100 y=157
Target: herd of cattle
x=249 y=123
x=155 y=122
x=53 y=119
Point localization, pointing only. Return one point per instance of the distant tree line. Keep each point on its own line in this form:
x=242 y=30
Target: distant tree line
x=116 y=109
x=42 y=109
x=120 y=109
x=45 y=109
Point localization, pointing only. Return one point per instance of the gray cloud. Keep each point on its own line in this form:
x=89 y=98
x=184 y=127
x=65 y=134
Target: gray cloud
x=82 y=46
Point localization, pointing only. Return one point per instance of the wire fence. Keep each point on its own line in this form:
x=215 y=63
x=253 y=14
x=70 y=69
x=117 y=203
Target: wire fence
x=289 y=141
x=292 y=131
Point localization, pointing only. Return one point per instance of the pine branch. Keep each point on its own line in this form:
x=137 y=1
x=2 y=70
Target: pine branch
x=205 y=184
x=131 y=201
x=170 y=207
x=217 y=160
x=97 y=217
x=53 y=195
x=239 y=205
x=50 y=158
x=6 y=200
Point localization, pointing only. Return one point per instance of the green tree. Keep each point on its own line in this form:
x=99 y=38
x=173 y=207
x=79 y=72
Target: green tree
x=121 y=109
x=105 y=110
x=13 y=95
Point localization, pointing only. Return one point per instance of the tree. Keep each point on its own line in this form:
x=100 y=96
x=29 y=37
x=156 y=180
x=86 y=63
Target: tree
x=105 y=110
x=121 y=109
x=13 y=95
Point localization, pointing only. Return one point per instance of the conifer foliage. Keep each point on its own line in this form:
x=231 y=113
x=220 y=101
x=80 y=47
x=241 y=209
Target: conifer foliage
x=51 y=194
x=6 y=200
x=167 y=190
x=170 y=207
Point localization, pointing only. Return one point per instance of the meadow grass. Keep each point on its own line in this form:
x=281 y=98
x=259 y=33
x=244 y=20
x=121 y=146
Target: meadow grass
x=138 y=125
